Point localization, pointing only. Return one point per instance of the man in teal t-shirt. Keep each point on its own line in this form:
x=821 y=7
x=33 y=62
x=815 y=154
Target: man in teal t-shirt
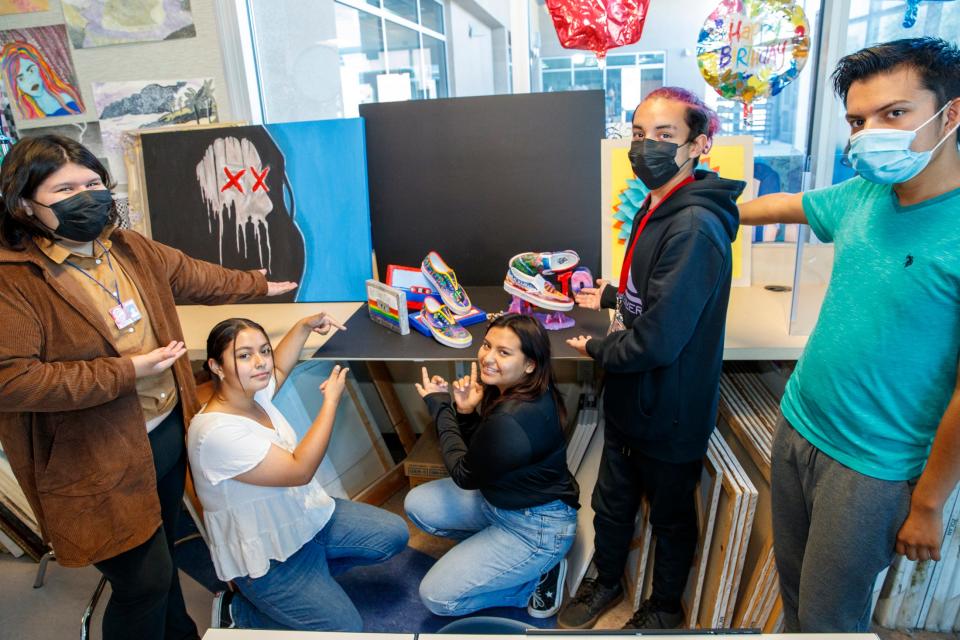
x=868 y=446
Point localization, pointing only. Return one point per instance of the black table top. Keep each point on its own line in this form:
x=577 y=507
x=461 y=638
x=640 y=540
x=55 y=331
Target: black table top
x=364 y=339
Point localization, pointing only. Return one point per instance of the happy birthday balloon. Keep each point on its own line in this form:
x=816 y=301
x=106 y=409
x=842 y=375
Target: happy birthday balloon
x=749 y=49
x=598 y=25
x=913 y=6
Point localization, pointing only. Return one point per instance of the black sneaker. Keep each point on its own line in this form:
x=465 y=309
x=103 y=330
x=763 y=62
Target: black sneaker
x=648 y=616
x=547 y=597
x=591 y=601
x=220 y=617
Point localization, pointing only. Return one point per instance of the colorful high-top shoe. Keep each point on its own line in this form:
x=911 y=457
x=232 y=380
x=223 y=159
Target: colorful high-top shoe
x=444 y=280
x=444 y=327
x=531 y=263
x=535 y=290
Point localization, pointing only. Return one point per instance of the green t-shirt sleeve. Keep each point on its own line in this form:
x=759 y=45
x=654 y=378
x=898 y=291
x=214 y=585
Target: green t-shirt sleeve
x=824 y=208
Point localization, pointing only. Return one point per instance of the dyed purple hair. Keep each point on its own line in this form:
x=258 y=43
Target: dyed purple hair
x=701 y=119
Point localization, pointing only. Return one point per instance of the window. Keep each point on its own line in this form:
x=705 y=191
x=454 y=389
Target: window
x=624 y=79
x=875 y=21
x=397 y=51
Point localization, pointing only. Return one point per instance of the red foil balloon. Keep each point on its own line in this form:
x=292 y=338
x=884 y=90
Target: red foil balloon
x=598 y=25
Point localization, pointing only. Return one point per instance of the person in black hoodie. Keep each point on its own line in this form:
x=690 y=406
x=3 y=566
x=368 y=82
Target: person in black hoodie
x=510 y=496
x=662 y=357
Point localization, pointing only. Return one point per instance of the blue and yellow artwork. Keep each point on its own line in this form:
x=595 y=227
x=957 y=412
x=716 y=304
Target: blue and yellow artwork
x=289 y=198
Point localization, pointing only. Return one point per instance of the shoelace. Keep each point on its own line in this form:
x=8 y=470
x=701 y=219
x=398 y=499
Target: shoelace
x=642 y=615
x=540 y=593
x=589 y=590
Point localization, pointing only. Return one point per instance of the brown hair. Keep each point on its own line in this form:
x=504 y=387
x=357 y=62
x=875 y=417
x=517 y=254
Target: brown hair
x=222 y=336
x=535 y=345
x=25 y=167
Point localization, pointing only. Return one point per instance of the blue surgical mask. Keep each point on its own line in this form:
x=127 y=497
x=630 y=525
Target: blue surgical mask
x=884 y=156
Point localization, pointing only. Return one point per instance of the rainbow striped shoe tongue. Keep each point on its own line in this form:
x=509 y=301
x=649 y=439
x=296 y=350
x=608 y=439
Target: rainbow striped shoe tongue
x=442 y=277
x=444 y=327
x=531 y=263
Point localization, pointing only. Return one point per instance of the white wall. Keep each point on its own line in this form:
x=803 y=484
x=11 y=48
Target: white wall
x=668 y=27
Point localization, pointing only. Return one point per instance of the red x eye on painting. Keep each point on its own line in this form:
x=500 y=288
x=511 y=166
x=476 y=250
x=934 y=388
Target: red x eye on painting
x=233 y=179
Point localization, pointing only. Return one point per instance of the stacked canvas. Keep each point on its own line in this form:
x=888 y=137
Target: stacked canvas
x=639 y=571
x=748 y=413
x=750 y=410
x=588 y=417
x=728 y=548
x=726 y=504
x=926 y=595
x=708 y=499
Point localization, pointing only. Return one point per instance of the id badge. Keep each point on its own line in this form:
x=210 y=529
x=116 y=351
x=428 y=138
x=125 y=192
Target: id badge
x=617 y=323
x=125 y=314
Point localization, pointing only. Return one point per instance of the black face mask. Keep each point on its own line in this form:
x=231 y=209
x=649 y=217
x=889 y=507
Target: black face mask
x=655 y=163
x=84 y=215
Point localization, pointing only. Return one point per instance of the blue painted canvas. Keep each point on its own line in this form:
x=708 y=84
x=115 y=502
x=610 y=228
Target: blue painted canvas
x=290 y=198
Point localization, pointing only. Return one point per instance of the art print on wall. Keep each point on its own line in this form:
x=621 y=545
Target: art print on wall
x=124 y=106
x=38 y=74
x=98 y=23
x=289 y=198
x=8 y=7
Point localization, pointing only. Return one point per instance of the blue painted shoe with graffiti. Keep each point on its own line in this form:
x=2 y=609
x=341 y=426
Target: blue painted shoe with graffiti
x=444 y=327
x=531 y=263
x=444 y=280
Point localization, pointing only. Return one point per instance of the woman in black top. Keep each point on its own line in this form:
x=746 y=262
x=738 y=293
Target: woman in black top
x=510 y=496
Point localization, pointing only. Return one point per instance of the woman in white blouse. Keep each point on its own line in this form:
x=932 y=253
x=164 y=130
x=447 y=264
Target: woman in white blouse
x=273 y=530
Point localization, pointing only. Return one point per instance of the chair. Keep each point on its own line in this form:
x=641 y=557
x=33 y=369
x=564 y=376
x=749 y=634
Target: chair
x=488 y=625
x=102 y=583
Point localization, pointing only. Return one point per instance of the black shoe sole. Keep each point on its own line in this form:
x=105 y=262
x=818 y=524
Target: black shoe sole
x=592 y=621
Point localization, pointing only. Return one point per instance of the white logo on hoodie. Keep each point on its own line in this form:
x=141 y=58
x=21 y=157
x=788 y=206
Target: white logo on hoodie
x=632 y=301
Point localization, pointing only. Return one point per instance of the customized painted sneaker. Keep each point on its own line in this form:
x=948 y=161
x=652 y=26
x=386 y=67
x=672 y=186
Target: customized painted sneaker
x=444 y=327
x=547 y=597
x=444 y=280
x=532 y=263
x=536 y=291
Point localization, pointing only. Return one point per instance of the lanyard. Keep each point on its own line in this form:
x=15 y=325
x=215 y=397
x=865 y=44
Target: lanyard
x=628 y=258
x=115 y=294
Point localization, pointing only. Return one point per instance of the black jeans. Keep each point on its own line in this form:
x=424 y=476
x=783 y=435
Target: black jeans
x=625 y=477
x=146 y=601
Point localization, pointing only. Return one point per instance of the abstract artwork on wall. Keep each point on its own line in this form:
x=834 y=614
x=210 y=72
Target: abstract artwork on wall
x=86 y=133
x=98 y=23
x=38 y=73
x=8 y=7
x=289 y=198
x=123 y=106
x=623 y=194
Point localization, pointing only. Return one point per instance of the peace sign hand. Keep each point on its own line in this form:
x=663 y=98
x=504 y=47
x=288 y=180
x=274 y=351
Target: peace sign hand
x=467 y=391
x=436 y=384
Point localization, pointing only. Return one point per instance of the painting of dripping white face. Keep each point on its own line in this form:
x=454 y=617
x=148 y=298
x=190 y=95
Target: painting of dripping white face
x=290 y=198
x=232 y=179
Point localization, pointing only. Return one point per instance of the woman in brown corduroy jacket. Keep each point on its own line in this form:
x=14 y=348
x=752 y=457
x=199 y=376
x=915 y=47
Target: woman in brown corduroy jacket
x=90 y=360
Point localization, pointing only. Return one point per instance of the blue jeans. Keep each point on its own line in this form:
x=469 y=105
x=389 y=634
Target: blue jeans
x=300 y=593
x=503 y=552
